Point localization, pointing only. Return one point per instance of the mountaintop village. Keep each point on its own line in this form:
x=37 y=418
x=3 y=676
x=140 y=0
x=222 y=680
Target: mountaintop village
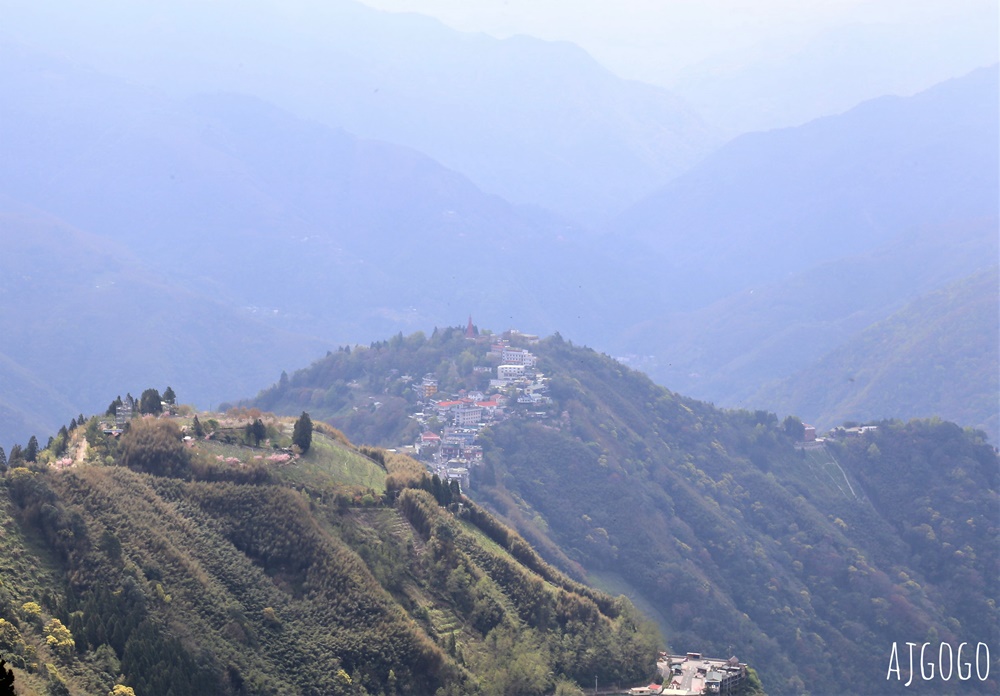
x=450 y=423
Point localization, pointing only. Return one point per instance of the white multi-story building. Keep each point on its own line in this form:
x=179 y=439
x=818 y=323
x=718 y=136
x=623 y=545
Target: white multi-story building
x=510 y=373
x=467 y=416
x=517 y=356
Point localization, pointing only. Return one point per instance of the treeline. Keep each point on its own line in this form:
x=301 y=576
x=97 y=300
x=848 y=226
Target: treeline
x=567 y=632
x=801 y=560
x=274 y=600
x=162 y=568
x=943 y=531
x=526 y=555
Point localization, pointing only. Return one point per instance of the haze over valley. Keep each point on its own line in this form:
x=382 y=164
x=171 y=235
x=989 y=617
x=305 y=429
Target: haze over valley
x=221 y=179
x=754 y=216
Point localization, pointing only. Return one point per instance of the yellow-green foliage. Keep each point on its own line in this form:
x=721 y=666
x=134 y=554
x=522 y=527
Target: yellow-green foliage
x=404 y=472
x=31 y=611
x=357 y=599
x=11 y=643
x=57 y=684
x=59 y=638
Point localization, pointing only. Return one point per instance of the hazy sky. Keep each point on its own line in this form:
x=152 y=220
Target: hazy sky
x=654 y=39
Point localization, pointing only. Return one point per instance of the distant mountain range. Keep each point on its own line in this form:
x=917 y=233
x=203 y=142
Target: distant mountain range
x=783 y=245
x=770 y=204
x=250 y=214
x=537 y=122
x=306 y=236
x=734 y=350
x=881 y=50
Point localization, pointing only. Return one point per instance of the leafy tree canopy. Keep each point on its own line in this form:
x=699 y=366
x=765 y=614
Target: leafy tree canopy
x=150 y=402
x=155 y=447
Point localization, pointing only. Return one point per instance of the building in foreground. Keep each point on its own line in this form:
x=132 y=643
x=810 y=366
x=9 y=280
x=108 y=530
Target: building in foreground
x=692 y=674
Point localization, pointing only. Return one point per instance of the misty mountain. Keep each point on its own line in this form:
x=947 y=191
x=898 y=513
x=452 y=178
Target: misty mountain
x=938 y=356
x=793 y=80
x=769 y=204
x=327 y=232
x=82 y=316
x=726 y=351
x=318 y=232
x=783 y=245
x=301 y=227
x=537 y=122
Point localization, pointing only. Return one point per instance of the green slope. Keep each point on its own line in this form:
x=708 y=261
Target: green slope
x=797 y=560
x=254 y=570
x=792 y=559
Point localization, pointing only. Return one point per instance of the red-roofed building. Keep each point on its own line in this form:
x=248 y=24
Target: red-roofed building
x=489 y=407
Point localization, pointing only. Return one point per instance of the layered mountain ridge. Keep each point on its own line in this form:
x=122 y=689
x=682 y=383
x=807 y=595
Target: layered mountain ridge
x=726 y=527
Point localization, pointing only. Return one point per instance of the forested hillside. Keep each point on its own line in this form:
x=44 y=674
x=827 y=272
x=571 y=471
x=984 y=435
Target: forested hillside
x=939 y=355
x=783 y=246
x=237 y=554
x=794 y=343
x=722 y=525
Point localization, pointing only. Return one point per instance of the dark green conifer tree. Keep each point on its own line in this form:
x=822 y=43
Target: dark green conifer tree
x=16 y=457
x=302 y=432
x=31 y=451
x=150 y=402
x=258 y=431
x=61 y=442
x=113 y=406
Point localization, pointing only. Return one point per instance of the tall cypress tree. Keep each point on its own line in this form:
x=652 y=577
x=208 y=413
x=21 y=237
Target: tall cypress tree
x=31 y=451
x=303 y=432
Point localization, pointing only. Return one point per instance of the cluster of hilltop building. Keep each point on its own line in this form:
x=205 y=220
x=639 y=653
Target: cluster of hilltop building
x=452 y=422
x=694 y=675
